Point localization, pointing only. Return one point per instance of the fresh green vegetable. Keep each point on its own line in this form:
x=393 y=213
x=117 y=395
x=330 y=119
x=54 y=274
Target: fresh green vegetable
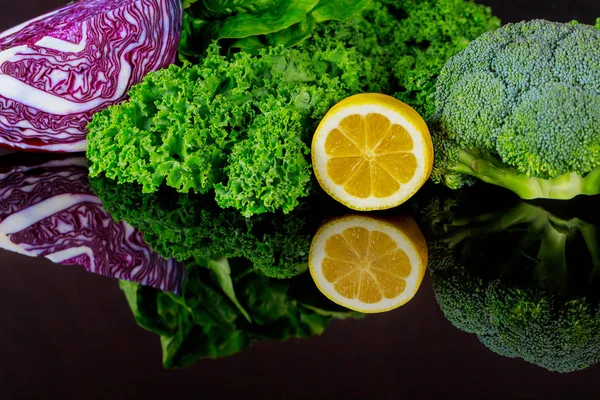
x=204 y=323
x=251 y=25
x=432 y=32
x=406 y=43
x=520 y=108
x=239 y=125
x=523 y=279
x=236 y=125
x=192 y=227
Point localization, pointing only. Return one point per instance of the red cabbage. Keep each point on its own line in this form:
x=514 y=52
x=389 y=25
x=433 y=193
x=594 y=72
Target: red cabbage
x=57 y=70
x=48 y=210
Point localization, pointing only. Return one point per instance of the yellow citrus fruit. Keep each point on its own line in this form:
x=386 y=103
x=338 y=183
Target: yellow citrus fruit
x=372 y=152
x=368 y=264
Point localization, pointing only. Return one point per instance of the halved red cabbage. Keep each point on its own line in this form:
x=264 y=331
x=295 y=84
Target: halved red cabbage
x=57 y=70
x=48 y=210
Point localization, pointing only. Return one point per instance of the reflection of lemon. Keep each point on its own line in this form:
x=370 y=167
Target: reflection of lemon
x=372 y=152
x=368 y=264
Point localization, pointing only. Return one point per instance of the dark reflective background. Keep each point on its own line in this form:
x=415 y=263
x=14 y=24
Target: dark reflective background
x=69 y=334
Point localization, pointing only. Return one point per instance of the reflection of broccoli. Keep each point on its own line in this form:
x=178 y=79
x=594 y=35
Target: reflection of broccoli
x=521 y=280
x=520 y=108
x=187 y=226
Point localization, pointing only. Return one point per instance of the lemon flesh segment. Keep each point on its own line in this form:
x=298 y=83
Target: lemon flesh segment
x=397 y=140
x=341 y=169
x=372 y=152
x=376 y=129
x=368 y=264
x=353 y=127
x=339 y=145
x=382 y=183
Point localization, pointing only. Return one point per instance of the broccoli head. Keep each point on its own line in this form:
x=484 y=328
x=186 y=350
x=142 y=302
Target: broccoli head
x=523 y=279
x=520 y=108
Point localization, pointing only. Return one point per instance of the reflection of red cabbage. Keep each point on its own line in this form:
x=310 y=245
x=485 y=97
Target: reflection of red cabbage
x=48 y=210
x=60 y=68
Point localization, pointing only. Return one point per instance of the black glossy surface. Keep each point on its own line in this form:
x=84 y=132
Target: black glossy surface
x=68 y=334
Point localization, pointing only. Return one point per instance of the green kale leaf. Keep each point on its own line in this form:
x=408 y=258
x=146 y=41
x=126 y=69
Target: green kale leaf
x=204 y=323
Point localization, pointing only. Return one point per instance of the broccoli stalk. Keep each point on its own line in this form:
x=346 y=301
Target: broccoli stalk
x=550 y=270
x=480 y=165
x=591 y=235
x=488 y=223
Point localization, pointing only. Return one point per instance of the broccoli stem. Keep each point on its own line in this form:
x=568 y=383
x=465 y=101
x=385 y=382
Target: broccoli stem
x=550 y=270
x=591 y=182
x=493 y=222
x=564 y=187
x=591 y=235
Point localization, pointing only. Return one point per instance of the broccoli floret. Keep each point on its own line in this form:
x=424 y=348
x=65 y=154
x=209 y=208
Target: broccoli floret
x=519 y=279
x=494 y=343
x=520 y=108
x=460 y=295
x=559 y=335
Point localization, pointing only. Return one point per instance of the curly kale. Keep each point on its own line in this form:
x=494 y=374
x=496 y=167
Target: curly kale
x=188 y=127
x=265 y=171
x=432 y=32
x=520 y=108
x=192 y=227
x=523 y=279
x=405 y=44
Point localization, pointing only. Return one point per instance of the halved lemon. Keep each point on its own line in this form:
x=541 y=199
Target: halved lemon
x=368 y=264
x=372 y=152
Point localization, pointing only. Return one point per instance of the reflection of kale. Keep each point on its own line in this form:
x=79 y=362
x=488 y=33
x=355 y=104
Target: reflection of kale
x=185 y=226
x=204 y=323
x=521 y=279
x=228 y=300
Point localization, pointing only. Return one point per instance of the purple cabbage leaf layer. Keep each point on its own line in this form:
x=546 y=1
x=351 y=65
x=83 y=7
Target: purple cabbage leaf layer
x=47 y=210
x=58 y=69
